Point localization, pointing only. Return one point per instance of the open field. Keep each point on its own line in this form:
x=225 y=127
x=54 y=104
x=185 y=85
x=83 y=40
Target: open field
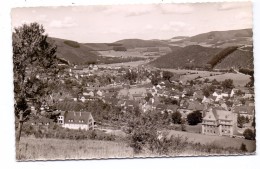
x=194 y=129
x=129 y=64
x=31 y=148
x=239 y=79
x=220 y=141
x=55 y=149
x=112 y=53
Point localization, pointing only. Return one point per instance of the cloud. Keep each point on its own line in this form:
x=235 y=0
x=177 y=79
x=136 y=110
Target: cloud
x=176 y=8
x=93 y=8
x=65 y=23
x=128 y=10
x=173 y=26
x=148 y=27
x=138 y=11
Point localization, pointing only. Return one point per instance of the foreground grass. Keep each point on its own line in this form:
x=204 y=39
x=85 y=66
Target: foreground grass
x=31 y=148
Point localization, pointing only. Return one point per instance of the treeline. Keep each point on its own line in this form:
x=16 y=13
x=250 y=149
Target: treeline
x=62 y=60
x=59 y=132
x=247 y=71
x=71 y=43
x=221 y=55
x=119 y=48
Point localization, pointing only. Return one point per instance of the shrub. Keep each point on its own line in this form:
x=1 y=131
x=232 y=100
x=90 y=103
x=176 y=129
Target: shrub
x=249 y=134
x=176 y=117
x=243 y=147
x=241 y=120
x=194 y=118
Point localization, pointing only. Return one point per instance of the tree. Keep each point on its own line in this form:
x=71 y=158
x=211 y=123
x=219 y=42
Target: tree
x=167 y=75
x=243 y=147
x=241 y=120
x=253 y=123
x=208 y=90
x=227 y=84
x=131 y=76
x=249 y=134
x=239 y=93
x=155 y=81
x=176 y=118
x=194 y=118
x=34 y=63
x=214 y=82
x=148 y=97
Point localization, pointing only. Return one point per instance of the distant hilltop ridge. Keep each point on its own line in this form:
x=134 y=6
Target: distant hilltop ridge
x=200 y=48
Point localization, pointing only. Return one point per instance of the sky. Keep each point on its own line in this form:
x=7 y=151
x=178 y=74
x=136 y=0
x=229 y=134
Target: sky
x=106 y=24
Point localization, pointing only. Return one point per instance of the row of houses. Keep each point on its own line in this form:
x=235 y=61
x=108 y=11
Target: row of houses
x=71 y=115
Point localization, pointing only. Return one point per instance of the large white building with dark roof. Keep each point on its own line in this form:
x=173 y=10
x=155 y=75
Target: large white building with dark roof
x=219 y=122
x=74 y=116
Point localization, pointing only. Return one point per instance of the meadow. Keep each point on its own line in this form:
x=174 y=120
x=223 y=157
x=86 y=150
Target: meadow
x=112 y=53
x=222 y=141
x=183 y=144
x=31 y=148
x=239 y=79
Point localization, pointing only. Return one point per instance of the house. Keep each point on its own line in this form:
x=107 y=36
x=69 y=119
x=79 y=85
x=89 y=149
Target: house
x=246 y=111
x=161 y=107
x=198 y=95
x=40 y=121
x=76 y=120
x=172 y=108
x=74 y=116
x=218 y=122
x=189 y=107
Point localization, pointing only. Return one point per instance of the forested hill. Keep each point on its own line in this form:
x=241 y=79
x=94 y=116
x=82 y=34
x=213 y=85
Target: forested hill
x=74 y=52
x=187 y=57
x=218 y=39
x=196 y=56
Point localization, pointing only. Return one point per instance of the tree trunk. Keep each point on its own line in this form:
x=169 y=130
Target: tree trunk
x=20 y=125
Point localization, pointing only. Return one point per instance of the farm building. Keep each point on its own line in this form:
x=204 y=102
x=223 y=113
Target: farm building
x=218 y=122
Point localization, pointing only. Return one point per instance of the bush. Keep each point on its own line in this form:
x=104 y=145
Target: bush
x=243 y=147
x=64 y=133
x=194 y=118
x=176 y=117
x=119 y=48
x=249 y=134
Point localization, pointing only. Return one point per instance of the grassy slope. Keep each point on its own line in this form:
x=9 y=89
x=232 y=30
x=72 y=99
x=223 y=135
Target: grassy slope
x=217 y=140
x=222 y=37
x=74 y=55
x=31 y=148
x=196 y=54
x=56 y=149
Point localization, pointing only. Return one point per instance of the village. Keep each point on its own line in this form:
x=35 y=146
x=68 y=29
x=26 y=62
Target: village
x=197 y=106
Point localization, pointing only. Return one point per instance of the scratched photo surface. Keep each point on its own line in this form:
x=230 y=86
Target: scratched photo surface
x=129 y=81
